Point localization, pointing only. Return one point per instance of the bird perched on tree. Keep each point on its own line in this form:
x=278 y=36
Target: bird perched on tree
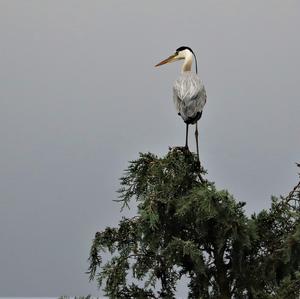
x=188 y=90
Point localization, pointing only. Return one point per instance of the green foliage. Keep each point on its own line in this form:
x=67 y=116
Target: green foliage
x=186 y=227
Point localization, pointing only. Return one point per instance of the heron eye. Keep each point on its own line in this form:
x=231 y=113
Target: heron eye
x=176 y=53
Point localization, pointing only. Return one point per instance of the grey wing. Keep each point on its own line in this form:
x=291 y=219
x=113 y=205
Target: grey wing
x=189 y=96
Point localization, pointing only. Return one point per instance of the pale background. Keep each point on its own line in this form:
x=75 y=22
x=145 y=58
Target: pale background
x=79 y=97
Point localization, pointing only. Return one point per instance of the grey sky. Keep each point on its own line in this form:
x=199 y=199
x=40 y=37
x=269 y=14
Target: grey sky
x=80 y=97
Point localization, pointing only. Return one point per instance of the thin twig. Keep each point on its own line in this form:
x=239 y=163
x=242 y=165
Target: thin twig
x=291 y=194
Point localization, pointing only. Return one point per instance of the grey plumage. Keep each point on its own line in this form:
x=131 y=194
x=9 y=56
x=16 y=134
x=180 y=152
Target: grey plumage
x=189 y=97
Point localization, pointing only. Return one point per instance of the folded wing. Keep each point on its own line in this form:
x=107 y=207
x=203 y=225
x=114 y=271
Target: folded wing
x=189 y=97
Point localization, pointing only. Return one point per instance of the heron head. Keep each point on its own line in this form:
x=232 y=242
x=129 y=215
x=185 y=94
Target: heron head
x=180 y=53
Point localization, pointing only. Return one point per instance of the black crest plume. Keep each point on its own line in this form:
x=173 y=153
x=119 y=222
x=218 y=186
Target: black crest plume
x=188 y=48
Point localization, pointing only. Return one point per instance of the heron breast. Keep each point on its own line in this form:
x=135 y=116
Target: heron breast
x=187 y=87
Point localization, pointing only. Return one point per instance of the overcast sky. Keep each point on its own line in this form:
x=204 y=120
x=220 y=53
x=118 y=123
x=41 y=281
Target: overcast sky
x=80 y=97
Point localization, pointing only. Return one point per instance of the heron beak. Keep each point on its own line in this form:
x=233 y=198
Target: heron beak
x=170 y=59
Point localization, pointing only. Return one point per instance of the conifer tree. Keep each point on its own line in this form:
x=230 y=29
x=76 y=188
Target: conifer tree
x=185 y=227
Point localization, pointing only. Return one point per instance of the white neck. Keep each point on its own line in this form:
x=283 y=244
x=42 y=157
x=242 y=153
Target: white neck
x=187 y=64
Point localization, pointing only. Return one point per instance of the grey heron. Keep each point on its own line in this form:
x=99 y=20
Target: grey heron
x=189 y=94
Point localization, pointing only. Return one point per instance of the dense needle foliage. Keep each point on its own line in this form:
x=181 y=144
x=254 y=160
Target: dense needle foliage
x=185 y=227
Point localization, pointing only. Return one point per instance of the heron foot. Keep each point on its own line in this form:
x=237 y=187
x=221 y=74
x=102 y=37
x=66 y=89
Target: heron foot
x=180 y=148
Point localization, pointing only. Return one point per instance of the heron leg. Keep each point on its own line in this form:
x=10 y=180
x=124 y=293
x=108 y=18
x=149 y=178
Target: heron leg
x=186 y=136
x=197 y=140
